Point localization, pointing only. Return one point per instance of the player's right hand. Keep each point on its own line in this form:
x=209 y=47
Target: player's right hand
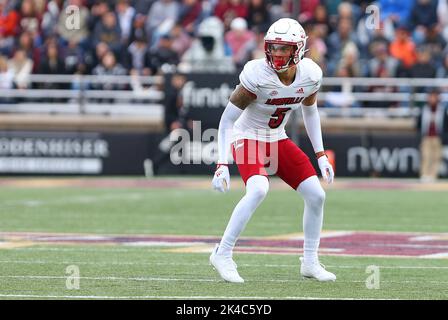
x=221 y=179
x=326 y=169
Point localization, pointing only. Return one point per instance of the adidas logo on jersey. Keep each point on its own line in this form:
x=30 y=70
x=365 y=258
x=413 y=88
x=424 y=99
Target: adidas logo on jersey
x=300 y=90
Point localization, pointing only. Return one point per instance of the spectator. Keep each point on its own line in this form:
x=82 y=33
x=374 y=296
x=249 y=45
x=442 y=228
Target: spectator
x=337 y=41
x=161 y=11
x=442 y=71
x=432 y=123
x=393 y=15
x=436 y=44
x=240 y=41
x=258 y=51
x=29 y=19
x=135 y=20
x=378 y=37
x=162 y=55
x=173 y=103
x=21 y=67
x=332 y=8
x=76 y=60
x=423 y=16
x=6 y=79
x=142 y=7
x=345 y=11
x=181 y=40
x=98 y=10
x=67 y=31
x=207 y=8
x=423 y=67
x=52 y=63
x=320 y=21
x=277 y=9
x=349 y=64
x=403 y=49
x=227 y=10
x=161 y=18
x=138 y=29
x=207 y=52
x=6 y=75
x=259 y=17
x=51 y=16
x=395 y=11
x=382 y=64
x=126 y=15
x=307 y=10
x=136 y=57
x=317 y=47
x=367 y=29
x=109 y=32
x=9 y=27
x=109 y=67
x=189 y=12
x=442 y=13
x=351 y=12
x=176 y=117
x=26 y=43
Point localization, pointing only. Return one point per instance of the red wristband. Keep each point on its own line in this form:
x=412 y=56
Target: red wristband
x=320 y=154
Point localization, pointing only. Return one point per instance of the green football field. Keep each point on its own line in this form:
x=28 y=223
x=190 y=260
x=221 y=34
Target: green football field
x=124 y=238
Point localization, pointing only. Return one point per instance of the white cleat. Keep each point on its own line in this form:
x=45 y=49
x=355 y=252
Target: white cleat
x=225 y=266
x=315 y=271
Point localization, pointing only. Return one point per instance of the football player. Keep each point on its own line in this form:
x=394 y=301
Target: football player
x=253 y=126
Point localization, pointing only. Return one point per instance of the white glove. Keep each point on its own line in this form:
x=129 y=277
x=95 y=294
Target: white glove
x=326 y=169
x=221 y=179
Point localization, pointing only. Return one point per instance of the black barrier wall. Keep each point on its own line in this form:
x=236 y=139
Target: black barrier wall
x=355 y=156
x=204 y=97
x=373 y=155
x=74 y=153
x=80 y=153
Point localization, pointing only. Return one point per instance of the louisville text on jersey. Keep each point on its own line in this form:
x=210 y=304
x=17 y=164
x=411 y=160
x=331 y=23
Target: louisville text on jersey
x=282 y=101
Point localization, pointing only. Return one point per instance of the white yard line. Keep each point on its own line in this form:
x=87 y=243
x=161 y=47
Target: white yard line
x=128 y=263
x=183 y=297
x=75 y=199
x=109 y=278
x=165 y=279
x=80 y=249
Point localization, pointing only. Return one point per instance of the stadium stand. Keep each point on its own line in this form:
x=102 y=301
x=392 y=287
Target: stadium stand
x=150 y=38
x=102 y=65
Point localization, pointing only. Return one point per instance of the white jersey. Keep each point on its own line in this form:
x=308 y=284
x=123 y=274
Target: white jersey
x=265 y=118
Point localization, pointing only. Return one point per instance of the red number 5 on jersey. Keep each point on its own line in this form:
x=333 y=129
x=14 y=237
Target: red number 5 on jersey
x=277 y=117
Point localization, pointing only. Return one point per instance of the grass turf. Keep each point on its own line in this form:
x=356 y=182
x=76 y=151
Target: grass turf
x=154 y=272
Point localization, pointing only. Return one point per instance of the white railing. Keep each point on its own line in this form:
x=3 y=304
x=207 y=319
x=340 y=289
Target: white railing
x=411 y=82
x=142 y=95
x=63 y=78
x=405 y=89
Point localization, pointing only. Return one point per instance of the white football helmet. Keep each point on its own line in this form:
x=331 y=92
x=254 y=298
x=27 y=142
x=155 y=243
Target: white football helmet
x=285 y=31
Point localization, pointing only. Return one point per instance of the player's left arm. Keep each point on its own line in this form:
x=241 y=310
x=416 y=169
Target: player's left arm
x=311 y=120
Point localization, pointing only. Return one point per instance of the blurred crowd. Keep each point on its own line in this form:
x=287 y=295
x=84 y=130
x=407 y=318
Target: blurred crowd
x=148 y=37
